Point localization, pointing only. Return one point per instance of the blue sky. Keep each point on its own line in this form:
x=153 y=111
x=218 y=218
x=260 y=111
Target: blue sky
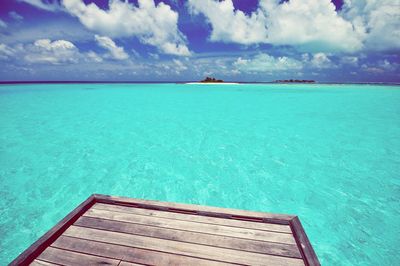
x=177 y=40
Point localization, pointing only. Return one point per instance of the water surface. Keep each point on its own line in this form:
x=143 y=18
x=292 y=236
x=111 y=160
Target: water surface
x=328 y=153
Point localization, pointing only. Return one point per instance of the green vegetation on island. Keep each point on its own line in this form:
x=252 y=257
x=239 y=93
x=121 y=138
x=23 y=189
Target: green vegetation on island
x=208 y=79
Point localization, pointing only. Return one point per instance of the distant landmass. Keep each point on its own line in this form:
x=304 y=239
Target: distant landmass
x=213 y=80
x=294 y=81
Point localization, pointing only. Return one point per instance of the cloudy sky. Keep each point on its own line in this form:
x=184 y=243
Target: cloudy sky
x=179 y=40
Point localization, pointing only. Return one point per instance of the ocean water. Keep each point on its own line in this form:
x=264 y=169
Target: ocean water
x=328 y=153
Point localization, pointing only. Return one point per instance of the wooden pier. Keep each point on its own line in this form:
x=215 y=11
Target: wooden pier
x=106 y=230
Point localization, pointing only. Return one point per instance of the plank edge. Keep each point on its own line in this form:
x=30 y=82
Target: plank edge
x=303 y=243
x=34 y=250
x=197 y=209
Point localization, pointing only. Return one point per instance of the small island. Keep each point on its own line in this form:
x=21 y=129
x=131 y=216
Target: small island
x=211 y=80
x=294 y=81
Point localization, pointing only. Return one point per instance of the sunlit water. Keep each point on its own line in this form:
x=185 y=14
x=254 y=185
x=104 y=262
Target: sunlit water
x=328 y=153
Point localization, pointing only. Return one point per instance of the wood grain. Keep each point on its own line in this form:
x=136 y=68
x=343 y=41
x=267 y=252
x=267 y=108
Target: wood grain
x=65 y=257
x=129 y=254
x=187 y=249
x=193 y=227
x=203 y=210
x=192 y=237
x=196 y=218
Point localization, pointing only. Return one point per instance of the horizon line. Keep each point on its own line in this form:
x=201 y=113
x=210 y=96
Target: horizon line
x=183 y=82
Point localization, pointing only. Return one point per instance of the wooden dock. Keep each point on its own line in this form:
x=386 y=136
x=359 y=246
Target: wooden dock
x=106 y=230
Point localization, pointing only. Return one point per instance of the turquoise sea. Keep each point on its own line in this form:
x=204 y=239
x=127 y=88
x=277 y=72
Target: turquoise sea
x=328 y=153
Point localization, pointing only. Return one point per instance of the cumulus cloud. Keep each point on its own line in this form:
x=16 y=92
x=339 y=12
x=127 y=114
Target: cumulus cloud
x=115 y=52
x=58 y=52
x=387 y=65
x=53 y=52
x=267 y=63
x=179 y=66
x=321 y=60
x=349 y=60
x=152 y=24
x=93 y=57
x=381 y=66
x=312 y=25
x=48 y=5
x=377 y=21
x=14 y=15
x=230 y=25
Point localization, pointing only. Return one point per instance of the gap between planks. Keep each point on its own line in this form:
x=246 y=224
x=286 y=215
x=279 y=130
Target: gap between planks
x=249 y=245
x=205 y=252
x=196 y=218
x=129 y=253
x=193 y=227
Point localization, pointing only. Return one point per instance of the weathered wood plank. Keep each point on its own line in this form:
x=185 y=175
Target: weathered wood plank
x=204 y=210
x=65 y=257
x=271 y=248
x=130 y=254
x=188 y=249
x=196 y=218
x=42 y=263
x=161 y=230
x=194 y=227
x=303 y=243
x=125 y=263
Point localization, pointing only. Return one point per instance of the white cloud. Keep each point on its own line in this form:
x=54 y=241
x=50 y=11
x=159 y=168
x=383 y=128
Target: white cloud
x=382 y=66
x=48 y=5
x=93 y=57
x=387 y=65
x=321 y=60
x=6 y=51
x=116 y=52
x=2 y=24
x=14 y=15
x=311 y=25
x=377 y=21
x=179 y=66
x=156 y=25
x=229 y=25
x=56 y=52
x=349 y=60
x=154 y=56
x=59 y=52
x=372 y=69
x=267 y=63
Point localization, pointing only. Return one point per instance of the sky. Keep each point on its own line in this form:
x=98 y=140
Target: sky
x=187 y=40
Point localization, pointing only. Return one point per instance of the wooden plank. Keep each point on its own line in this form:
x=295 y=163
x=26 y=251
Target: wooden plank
x=193 y=227
x=304 y=243
x=125 y=263
x=192 y=237
x=196 y=218
x=209 y=216
x=42 y=263
x=188 y=249
x=203 y=210
x=36 y=248
x=130 y=254
x=65 y=257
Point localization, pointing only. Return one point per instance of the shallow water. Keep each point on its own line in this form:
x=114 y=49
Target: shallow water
x=328 y=153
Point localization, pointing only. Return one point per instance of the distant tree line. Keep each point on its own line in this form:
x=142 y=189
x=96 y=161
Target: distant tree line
x=209 y=79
